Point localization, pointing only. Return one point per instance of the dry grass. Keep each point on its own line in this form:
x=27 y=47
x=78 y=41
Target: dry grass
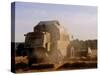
x=21 y=59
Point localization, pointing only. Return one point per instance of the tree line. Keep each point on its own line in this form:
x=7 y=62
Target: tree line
x=84 y=44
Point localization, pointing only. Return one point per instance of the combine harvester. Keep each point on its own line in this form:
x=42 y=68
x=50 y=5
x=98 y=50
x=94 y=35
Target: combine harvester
x=47 y=44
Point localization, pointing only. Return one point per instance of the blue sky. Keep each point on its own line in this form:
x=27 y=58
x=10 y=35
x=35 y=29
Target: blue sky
x=79 y=21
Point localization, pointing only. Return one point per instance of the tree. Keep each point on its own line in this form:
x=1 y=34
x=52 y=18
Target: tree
x=20 y=50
